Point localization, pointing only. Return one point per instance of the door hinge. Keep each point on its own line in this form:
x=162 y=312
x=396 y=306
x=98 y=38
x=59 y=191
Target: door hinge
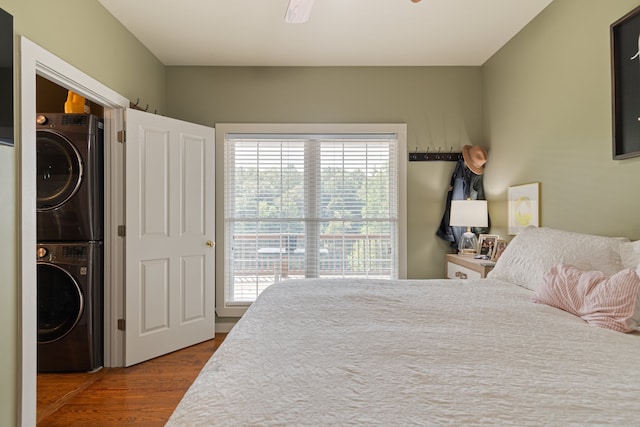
x=122 y=136
x=121 y=324
x=122 y=231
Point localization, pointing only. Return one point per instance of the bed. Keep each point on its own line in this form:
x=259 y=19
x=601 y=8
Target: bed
x=318 y=352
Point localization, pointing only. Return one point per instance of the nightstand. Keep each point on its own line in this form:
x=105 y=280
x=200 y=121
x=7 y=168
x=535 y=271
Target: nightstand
x=466 y=267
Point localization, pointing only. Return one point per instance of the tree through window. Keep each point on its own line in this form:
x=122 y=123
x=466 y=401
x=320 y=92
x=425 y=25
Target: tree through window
x=300 y=205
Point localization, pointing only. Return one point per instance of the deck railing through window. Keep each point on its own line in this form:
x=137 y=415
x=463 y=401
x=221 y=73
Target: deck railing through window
x=261 y=260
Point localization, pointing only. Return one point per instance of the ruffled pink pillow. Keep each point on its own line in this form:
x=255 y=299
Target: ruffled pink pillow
x=600 y=300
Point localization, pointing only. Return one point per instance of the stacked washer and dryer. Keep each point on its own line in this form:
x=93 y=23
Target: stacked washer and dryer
x=70 y=212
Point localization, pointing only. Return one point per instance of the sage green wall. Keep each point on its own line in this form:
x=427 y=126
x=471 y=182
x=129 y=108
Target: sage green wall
x=85 y=35
x=441 y=106
x=547 y=107
x=541 y=104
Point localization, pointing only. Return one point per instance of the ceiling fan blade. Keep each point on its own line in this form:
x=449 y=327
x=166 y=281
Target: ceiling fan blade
x=298 y=11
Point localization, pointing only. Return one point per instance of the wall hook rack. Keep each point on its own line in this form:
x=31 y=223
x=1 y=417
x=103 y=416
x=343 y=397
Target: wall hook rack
x=135 y=106
x=438 y=156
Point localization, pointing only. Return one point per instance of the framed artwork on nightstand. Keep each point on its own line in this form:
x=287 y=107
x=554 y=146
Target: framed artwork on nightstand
x=501 y=245
x=487 y=243
x=524 y=207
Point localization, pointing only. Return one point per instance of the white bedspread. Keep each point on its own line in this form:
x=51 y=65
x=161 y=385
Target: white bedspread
x=351 y=352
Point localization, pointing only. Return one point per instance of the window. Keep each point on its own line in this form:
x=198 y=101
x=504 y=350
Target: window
x=306 y=204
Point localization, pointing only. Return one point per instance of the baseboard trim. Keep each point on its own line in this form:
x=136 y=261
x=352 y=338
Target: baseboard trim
x=224 y=328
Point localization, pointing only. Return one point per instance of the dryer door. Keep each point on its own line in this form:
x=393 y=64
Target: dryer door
x=60 y=302
x=59 y=170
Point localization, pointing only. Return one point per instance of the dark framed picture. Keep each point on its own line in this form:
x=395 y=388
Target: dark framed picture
x=6 y=78
x=625 y=75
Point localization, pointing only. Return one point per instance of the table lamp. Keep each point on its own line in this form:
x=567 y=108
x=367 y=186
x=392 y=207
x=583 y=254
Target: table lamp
x=468 y=213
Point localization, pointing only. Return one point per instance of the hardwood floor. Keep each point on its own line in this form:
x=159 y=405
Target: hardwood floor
x=142 y=395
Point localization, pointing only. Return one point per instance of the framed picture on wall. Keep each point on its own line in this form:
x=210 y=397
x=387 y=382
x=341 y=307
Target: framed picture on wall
x=625 y=76
x=524 y=207
x=6 y=78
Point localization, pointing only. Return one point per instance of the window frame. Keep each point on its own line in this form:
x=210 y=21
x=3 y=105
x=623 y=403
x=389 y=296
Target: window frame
x=222 y=129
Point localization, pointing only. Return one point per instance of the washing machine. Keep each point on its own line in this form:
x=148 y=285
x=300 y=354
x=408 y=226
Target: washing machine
x=70 y=178
x=70 y=306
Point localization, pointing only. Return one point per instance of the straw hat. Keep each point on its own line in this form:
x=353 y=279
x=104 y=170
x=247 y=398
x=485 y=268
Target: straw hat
x=475 y=157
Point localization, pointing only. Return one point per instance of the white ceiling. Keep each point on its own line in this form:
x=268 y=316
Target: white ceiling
x=339 y=32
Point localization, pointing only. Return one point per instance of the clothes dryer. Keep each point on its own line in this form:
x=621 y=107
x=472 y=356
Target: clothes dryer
x=70 y=306
x=70 y=181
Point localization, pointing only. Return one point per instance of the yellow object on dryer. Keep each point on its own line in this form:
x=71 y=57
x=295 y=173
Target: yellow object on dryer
x=75 y=103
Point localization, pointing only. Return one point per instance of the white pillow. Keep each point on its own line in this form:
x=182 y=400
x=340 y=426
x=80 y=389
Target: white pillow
x=630 y=254
x=534 y=251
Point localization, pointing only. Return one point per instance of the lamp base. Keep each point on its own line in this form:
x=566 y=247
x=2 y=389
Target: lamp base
x=468 y=243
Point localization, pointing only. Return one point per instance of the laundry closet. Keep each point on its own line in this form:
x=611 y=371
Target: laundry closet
x=70 y=231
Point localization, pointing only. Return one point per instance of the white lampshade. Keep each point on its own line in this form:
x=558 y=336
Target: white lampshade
x=468 y=213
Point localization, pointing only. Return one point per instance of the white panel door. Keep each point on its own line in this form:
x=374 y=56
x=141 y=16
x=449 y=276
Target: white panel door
x=169 y=202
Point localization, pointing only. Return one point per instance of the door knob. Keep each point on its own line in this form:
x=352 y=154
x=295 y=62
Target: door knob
x=210 y=244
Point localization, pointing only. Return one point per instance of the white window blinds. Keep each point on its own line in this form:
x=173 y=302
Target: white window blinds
x=308 y=205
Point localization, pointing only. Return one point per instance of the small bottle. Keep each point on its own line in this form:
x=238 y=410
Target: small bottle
x=75 y=103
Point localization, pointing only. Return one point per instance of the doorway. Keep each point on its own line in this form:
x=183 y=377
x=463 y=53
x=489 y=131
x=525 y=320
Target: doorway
x=189 y=317
x=35 y=61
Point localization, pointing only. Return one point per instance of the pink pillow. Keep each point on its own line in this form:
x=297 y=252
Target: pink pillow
x=599 y=299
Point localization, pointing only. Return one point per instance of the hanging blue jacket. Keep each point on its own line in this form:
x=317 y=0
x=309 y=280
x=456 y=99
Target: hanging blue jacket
x=464 y=185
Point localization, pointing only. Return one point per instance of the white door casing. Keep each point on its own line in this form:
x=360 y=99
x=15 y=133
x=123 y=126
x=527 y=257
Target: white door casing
x=170 y=191
x=36 y=60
